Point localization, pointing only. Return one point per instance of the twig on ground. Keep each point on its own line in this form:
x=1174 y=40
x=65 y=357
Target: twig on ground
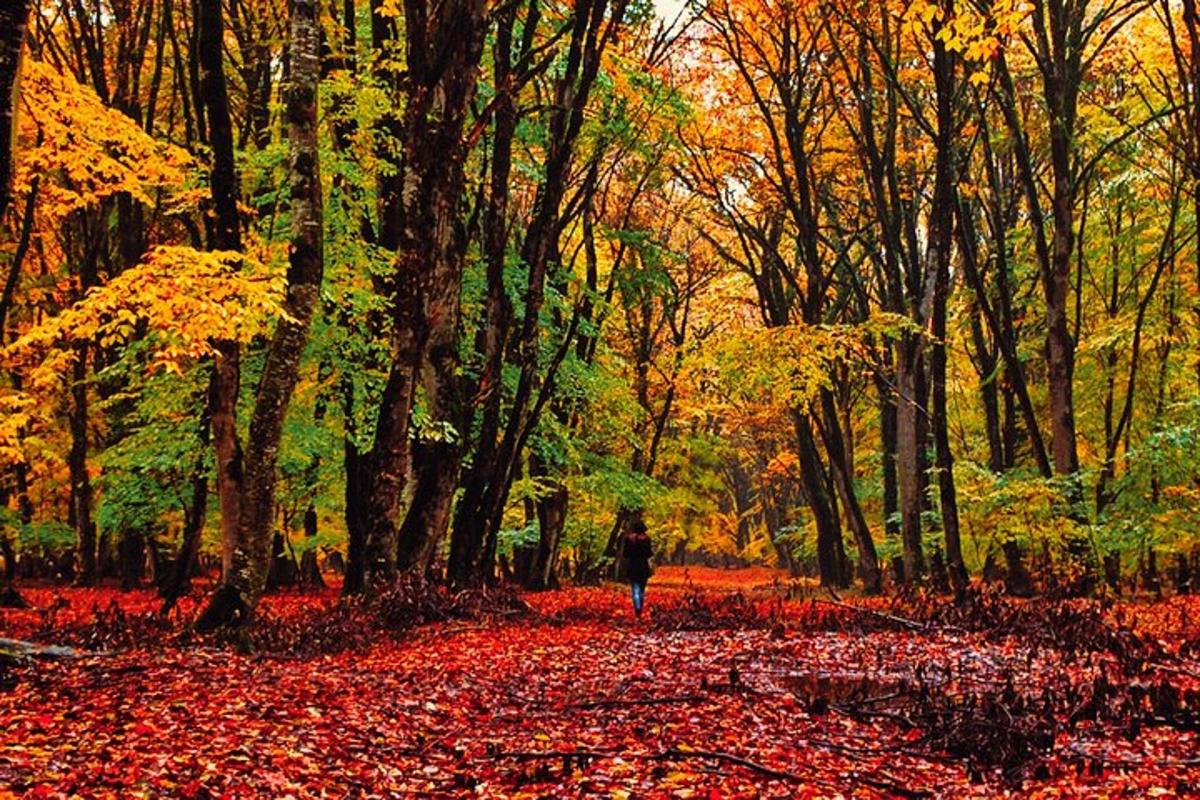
x=16 y=648
x=908 y=623
x=611 y=702
x=878 y=751
x=884 y=783
x=1189 y=673
x=1133 y=763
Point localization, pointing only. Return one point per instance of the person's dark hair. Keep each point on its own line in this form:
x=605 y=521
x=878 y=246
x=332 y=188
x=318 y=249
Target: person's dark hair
x=637 y=526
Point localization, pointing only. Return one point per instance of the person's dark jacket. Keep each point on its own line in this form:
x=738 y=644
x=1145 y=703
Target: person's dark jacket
x=637 y=558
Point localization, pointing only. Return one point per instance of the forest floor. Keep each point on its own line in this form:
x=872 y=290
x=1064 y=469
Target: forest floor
x=726 y=688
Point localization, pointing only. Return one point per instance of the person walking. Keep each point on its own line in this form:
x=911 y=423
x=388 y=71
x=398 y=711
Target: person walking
x=637 y=563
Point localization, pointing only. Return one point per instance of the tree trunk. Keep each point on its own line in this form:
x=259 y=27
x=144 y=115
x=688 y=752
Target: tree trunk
x=443 y=57
x=226 y=236
x=310 y=570
x=908 y=456
x=1060 y=348
x=226 y=444
x=816 y=491
x=357 y=476
x=843 y=479
x=390 y=454
x=283 y=571
x=13 y=17
x=7 y=550
x=24 y=513
x=989 y=393
x=176 y=584
x=428 y=515
x=481 y=483
x=887 y=449
x=741 y=501
x=81 y=483
x=437 y=471
x=252 y=548
x=552 y=517
x=131 y=549
x=941 y=240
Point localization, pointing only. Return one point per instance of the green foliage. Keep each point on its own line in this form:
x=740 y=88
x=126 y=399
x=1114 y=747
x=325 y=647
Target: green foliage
x=45 y=535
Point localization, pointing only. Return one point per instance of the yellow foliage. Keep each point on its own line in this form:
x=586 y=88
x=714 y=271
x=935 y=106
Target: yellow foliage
x=15 y=411
x=82 y=150
x=788 y=366
x=179 y=298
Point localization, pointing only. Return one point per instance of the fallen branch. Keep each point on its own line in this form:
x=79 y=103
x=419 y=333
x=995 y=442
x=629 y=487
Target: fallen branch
x=676 y=754
x=1133 y=763
x=17 y=649
x=879 y=751
x=613 y=702
x=1189 y=673
x=730 y=758
x=908 y=623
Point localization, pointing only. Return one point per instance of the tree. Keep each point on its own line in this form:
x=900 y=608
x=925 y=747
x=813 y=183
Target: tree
x=246 y=577
x=443 y=47
x=593 y=25
x=13 y=18
x=1065 y=41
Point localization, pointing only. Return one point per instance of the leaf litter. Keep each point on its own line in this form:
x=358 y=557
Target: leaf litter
x=722 y=691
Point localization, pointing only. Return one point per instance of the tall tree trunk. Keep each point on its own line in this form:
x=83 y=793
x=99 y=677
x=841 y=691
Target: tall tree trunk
x=357 y=477
x=1164 y=348
x=81 y=484
x=235 y=601
x=435 y=478
x=8 y=550
x=436 y=475
x=390 y=453
x=444 y=45
x=741 y=501
x=1060 y=345
x=550 y=510
x=908 y=457
x=941 y=240
x=843 y=479
x=226 y=236
x=481 y=481
x=989 y=392
x=888 y=455
x=385 y=467
x=131 y=557
x=13 y=17
x=820 y=503
x=24 y=503
x=1189 y=74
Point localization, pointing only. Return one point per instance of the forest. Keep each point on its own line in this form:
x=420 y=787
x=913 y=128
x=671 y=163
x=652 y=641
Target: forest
x=343 y=345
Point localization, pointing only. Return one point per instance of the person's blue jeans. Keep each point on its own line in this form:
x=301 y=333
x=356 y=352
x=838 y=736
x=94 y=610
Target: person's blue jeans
x=639 y=596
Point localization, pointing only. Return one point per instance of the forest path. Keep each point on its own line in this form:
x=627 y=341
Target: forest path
x=578 y=700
